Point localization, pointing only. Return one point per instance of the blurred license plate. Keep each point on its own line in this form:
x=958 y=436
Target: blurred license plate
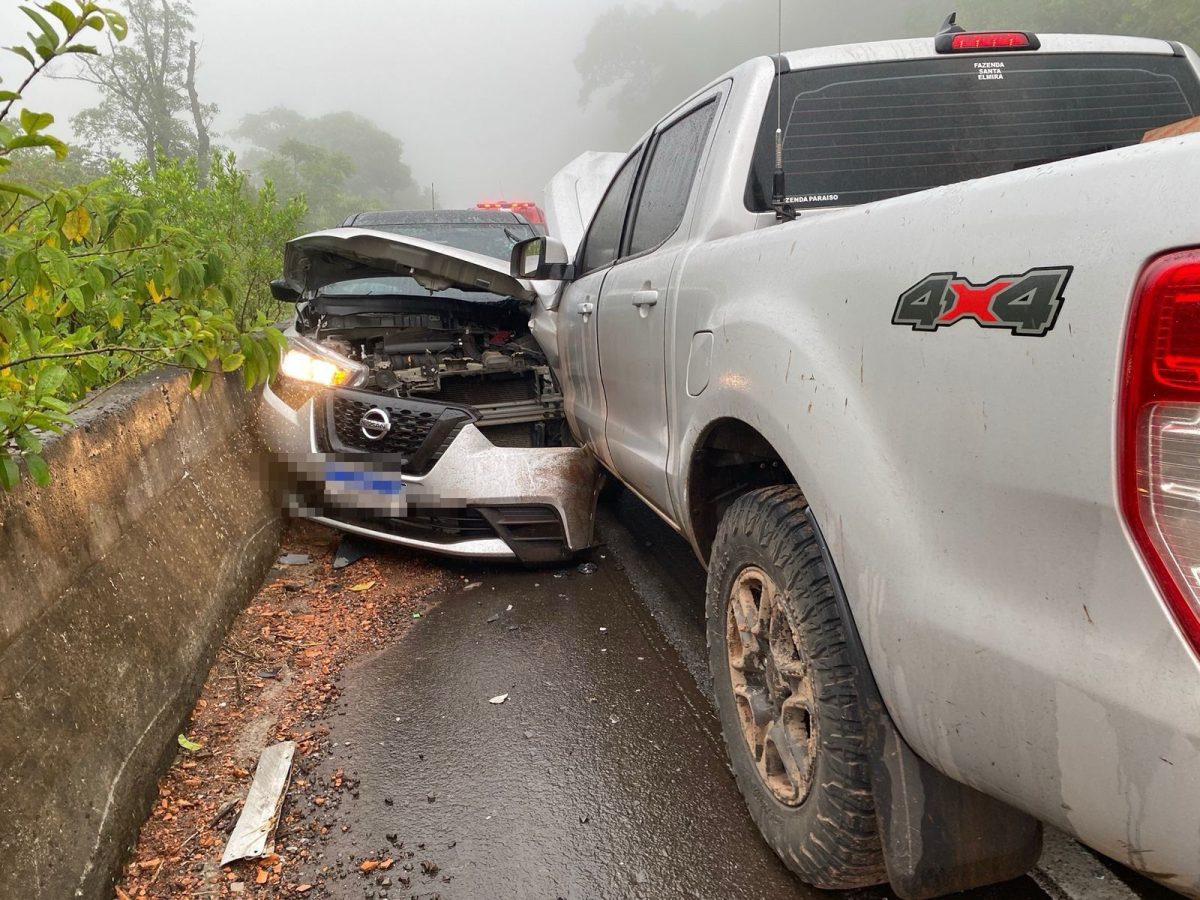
x=364 y=489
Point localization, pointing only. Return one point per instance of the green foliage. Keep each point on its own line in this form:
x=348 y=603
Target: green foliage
x=106 y=279
x=144 y=103
x=243 y=225
x=319 y=176
x=340 y=163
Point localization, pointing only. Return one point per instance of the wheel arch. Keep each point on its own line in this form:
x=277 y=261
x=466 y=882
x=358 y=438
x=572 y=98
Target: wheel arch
x=730 y=458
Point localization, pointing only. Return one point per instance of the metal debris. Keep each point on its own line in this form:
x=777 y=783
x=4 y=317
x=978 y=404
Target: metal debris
x=349 y=550
x=253 y=836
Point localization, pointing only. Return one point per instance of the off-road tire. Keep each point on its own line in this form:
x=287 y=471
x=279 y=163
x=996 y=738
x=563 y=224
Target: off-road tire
x=831 y=839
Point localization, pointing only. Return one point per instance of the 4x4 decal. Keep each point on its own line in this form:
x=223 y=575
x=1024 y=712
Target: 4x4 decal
x=1022 y=304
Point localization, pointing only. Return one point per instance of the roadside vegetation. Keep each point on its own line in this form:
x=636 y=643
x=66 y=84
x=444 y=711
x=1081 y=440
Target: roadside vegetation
x=147 y=244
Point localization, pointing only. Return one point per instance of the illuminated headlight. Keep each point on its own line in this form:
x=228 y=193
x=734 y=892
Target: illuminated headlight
x=307 y=360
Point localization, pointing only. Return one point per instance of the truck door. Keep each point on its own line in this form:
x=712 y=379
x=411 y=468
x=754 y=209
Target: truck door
x=635 y=300
x=583 y=395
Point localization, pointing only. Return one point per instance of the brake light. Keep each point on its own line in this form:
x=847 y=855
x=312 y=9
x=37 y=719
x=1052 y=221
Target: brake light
x=974 y=42
x=1159 y=442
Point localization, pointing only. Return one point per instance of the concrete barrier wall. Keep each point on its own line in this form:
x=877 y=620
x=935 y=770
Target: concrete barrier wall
x=117 y=583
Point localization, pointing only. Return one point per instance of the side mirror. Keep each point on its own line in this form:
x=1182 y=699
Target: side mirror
x=284 y=293
x=541 y=259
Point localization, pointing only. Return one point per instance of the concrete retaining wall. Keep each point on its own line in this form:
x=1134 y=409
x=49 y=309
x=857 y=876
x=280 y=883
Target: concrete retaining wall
x=117 y=583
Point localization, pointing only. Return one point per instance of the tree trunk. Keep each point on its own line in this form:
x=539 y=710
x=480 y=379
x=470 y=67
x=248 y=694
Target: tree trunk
x=203 y=152
x=151 y=152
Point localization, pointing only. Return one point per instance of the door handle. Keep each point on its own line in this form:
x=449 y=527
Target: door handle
x=645 y=298
x=586 y=309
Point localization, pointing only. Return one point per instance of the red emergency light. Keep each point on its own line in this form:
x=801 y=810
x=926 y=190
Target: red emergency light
x=527 y=208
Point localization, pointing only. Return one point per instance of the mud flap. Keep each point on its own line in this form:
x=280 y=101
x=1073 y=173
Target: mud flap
x=939 y=836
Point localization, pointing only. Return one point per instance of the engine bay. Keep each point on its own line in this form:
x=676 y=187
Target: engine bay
x=457 y=352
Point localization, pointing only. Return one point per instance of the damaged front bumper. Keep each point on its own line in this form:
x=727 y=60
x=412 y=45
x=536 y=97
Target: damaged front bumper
x=458 y=494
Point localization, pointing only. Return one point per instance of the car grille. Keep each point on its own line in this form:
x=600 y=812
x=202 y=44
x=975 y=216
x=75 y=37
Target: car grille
x=420 y=431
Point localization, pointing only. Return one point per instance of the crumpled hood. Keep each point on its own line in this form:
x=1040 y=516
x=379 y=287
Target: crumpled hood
x=315 y=260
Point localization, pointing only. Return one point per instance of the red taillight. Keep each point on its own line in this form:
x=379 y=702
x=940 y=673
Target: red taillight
x=981 y=41
x=1159 y=444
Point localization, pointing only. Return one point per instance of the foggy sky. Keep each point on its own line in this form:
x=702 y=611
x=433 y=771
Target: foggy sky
x=483 y=93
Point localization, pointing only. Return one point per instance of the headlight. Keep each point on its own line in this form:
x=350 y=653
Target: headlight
x=307 y=360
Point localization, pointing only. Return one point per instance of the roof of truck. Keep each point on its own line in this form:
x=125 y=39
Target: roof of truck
x=919 y=48
x=435 y=217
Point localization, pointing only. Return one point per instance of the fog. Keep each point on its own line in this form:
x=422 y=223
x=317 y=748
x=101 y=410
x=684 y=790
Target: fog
x=490 y=98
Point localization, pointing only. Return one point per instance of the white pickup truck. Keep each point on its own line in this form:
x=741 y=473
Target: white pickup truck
x=927 y=406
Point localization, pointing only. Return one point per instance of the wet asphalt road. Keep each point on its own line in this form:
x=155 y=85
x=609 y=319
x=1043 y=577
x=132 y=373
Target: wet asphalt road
x=602 y=775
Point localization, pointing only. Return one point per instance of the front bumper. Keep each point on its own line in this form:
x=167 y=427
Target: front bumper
x=477 y=499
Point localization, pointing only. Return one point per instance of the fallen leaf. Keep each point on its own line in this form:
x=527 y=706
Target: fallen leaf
x=260 y=877
x=190 y=746
x=387 y=863
x=362 y=586
x=303 y=888
x=369 y=865
x=498 y=699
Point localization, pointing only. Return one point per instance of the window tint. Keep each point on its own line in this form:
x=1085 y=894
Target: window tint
x=668 y=181
x=859 y=133
x=604 y=234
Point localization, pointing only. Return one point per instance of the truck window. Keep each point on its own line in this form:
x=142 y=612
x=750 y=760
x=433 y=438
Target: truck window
x=858 y=133
x=603 y=238
x=669 y=176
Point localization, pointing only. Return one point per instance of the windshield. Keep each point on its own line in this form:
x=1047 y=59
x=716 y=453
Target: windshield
x=858 y=133
x=495 y=239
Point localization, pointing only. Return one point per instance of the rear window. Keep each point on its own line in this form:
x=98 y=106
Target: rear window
x=858 y=133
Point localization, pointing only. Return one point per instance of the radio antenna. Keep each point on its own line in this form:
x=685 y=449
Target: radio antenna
x=779 y=188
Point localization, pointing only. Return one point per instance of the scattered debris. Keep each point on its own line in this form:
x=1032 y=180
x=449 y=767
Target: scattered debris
x=472 y=586
x=588 y=568
x=508 y=608
x=253 y=835
x=295 y=559
x=498 y=699
x=495 y=617
x=276 y=679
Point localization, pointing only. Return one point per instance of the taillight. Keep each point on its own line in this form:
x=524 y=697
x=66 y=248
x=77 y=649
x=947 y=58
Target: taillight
x=975 y=42
x=1159 y=444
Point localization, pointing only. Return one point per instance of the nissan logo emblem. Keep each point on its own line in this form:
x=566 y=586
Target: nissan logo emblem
x=375 y=424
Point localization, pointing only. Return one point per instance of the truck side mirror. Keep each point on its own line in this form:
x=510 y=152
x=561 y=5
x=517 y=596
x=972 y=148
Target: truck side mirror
x=541 y=259
x=283 y=292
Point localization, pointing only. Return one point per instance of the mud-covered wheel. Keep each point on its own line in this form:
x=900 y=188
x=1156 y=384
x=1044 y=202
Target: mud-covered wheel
x=786 y=694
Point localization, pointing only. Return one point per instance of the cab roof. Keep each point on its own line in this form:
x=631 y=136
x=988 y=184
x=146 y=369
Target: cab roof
x=435 y=217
